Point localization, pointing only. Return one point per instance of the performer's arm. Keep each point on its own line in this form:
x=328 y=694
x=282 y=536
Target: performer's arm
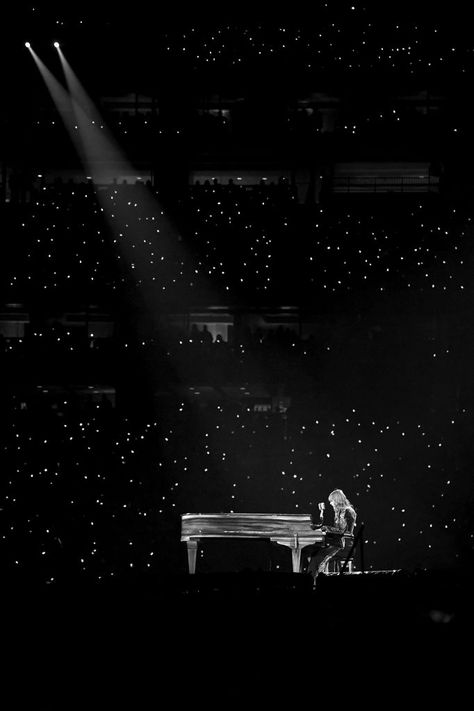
x=343 y=524
x=341 y=527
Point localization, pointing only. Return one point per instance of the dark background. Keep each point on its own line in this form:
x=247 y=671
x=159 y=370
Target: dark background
x=381 y=398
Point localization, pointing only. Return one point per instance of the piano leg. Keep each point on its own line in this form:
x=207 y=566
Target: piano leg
x=192 y=554
x=296 y=559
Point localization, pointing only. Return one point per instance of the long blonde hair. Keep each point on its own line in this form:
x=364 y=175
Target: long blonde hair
x=340 y=499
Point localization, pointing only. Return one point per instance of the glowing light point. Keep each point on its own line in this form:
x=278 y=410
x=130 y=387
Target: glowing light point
x=27 y=45
x=56 y=44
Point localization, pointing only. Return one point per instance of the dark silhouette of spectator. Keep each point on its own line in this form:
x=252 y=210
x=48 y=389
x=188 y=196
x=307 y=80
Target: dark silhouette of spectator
x=206 y=335
x=195 y=334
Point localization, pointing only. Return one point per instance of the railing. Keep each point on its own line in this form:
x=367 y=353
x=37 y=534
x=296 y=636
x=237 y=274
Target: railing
x=389 y=184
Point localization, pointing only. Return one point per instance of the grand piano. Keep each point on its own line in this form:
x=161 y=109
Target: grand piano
x=291 y=530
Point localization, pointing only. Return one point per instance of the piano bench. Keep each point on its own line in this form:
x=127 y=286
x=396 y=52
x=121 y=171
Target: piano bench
x=335 y=566
x=336 y=563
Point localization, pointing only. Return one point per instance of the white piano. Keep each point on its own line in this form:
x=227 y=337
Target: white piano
x=291 y=530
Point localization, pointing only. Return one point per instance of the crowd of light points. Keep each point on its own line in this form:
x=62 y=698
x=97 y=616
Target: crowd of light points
x=247 y=240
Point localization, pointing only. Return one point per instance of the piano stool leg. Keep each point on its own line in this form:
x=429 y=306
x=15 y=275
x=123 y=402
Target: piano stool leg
x=192 y=555
x=296 y=559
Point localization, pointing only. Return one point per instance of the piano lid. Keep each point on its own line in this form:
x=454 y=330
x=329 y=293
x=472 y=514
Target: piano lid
x=260 y=516
x=251 y=525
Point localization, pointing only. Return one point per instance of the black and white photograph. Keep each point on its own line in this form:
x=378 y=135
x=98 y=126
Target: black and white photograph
x=237 y=326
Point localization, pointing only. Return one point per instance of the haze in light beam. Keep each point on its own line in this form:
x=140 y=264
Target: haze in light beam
x=62 y=101
x=105 y=160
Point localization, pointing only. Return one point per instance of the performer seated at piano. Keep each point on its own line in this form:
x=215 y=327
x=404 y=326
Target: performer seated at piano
x=344 y=522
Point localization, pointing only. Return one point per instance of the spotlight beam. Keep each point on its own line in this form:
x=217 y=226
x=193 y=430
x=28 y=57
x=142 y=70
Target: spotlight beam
x=62 y=101
x=79 y=93
x=104 y=159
